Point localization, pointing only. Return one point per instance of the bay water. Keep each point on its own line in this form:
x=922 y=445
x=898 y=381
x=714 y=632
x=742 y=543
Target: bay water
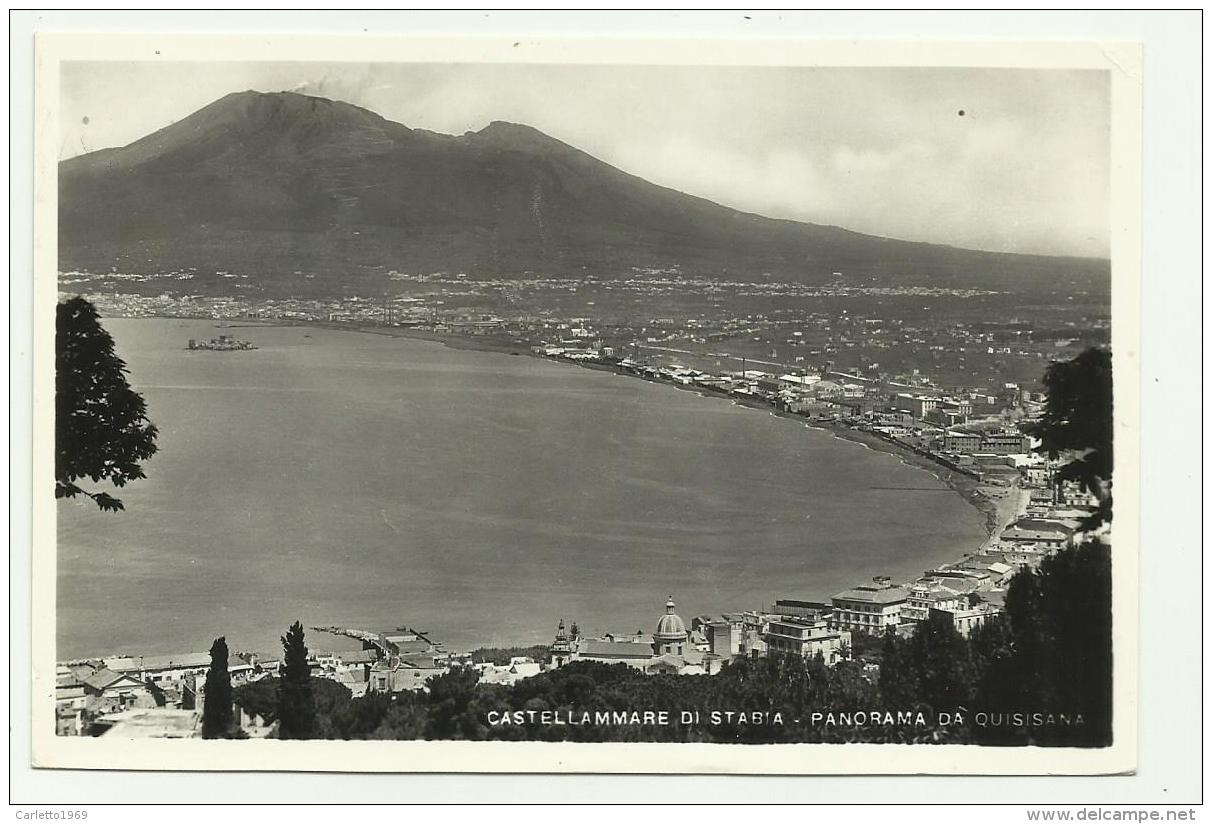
x=372 y=482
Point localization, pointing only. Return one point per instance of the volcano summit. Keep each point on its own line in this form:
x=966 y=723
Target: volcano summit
x=278 y=184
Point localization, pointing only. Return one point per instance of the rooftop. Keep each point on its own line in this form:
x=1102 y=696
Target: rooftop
x=874 y=595
x=152 y=723
x=160 y=662
x=614 y=649
x=103 y=678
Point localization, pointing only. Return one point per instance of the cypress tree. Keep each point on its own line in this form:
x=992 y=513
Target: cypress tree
x=296 y=703
x=217 y=707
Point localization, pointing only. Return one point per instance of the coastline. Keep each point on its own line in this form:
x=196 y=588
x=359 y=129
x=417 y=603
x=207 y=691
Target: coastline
x=998 y=513
x=963 y=485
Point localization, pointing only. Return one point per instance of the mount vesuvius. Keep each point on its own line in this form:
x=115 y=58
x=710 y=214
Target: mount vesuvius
x=274 y=184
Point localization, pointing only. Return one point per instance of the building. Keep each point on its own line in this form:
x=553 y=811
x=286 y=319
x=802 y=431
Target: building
x=123 y=690
x=562 y=648
x=798 y=381
x=986 y=443
x=967 y=617
x=962 y=579
x=670 y=650
x=157 y=668
x=1050 y=539
x=394 y=676
x=753 y=633
x=518 y=668
x=614 y=652
x=1005 y=443
x=998 y=571
x=961 y=442
x=870 y=608
x=770 y=383
x=357 y=657
x=791 y=608
x=806 y=639
x=70 y=706
x=1020 y=556
x=405 y=641
x=355 y=680
x=929 y=594
x=827 y=389
x=918 y=405
x=951 y=406
x=901 y=418
x=724 y=637
x=670 y=636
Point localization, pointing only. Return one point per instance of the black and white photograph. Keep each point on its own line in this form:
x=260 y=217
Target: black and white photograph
x=773 y=411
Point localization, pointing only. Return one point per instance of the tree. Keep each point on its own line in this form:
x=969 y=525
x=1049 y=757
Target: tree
x=216 y=707
x=449 y=695
x=360 y=718
x=1056 y=655
x=898 y=681
x=101 y=427
x=296 y=702
x=942 y=662
x=1078 y=420
x=259 y=698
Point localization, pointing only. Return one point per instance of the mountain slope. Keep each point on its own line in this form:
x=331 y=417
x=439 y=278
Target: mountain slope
x=271 y=184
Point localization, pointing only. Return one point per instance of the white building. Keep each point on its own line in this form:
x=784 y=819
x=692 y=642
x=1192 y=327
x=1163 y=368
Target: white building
x=871 y=608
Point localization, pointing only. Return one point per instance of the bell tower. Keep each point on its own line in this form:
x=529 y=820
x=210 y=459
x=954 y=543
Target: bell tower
x=562 y=648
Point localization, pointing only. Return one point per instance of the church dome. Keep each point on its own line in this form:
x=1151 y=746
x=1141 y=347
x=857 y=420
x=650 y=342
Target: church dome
x=670 y=627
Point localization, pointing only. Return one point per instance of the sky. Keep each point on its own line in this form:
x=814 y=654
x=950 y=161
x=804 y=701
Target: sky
x=1008 y=160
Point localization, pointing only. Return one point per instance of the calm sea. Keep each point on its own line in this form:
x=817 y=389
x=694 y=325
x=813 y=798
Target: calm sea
x=366 y=481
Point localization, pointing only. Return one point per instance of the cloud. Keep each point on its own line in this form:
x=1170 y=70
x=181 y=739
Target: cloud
x=883 y=151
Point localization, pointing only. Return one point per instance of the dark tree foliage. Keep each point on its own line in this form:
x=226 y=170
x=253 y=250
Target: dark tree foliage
x=1054 y=654
x=501 y=655
x=988 y=643
x=296 y=700
x=258 y=698
x=931 y=671
x=217 y=715
x=898 y=680
x=404 y=719
x=449 y=696
x=866 y=645
x=942 y=664
x=357 y=719
x=261 y=698
x=101 y=427
x=1078 y=418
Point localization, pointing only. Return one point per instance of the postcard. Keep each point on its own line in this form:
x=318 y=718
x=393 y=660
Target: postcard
x=586 y=405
